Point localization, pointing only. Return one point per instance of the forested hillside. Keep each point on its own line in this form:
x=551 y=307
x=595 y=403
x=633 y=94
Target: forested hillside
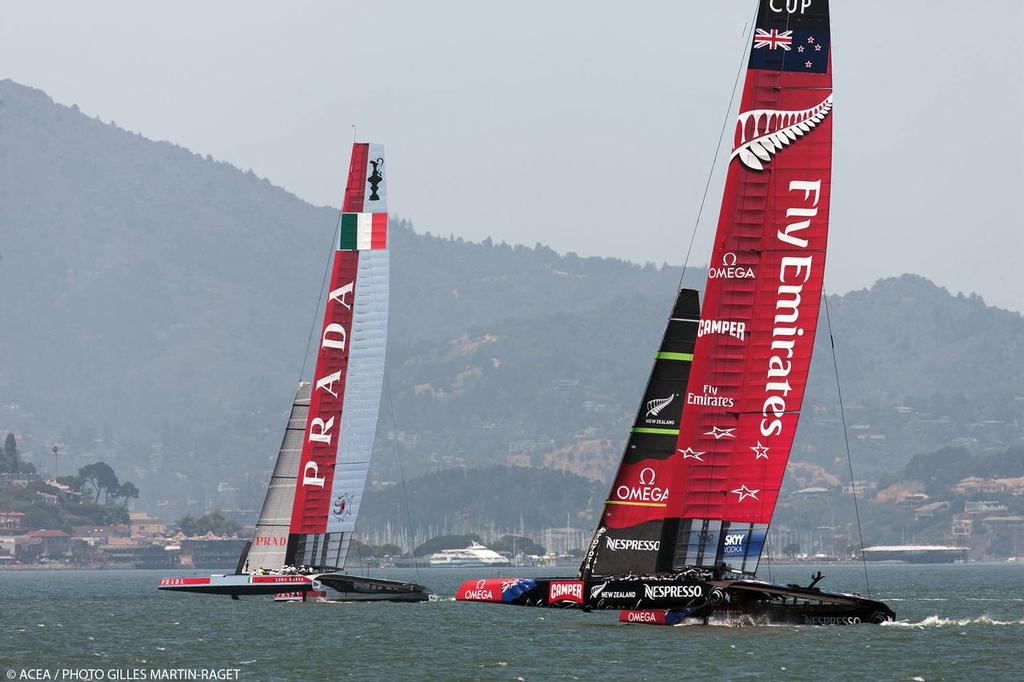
x=156 y=304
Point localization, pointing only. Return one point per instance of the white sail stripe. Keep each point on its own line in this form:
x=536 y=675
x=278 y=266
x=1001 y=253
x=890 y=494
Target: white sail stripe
x=364 y=230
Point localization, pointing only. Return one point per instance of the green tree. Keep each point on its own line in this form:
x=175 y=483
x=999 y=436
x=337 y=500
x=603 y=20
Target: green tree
x=47 y=516
x=517 y=544
x=10 y=447
x=215 y=522
x=10 y=458
x=99 y=478
x=127 y=491
x=188 y=524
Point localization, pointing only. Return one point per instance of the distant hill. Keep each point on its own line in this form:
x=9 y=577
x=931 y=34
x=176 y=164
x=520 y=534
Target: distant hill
x=502 y=497
x=155 y=304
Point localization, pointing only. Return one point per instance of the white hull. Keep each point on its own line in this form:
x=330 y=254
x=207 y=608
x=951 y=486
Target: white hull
x=467 y=563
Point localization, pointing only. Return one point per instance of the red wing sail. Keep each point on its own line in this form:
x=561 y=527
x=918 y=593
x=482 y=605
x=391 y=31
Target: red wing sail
x=351 y=346
x=763 y=291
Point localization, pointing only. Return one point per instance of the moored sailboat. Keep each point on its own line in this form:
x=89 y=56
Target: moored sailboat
x=686 y=520
x=305 y=527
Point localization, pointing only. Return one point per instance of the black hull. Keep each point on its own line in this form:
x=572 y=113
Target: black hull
x=669 y=600
x=342 y=587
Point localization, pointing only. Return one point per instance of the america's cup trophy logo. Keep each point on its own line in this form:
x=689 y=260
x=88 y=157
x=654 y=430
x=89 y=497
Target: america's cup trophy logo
x=375 y=178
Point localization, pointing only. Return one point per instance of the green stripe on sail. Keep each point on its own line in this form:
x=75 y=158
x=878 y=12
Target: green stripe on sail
x=349 y=231
x=662 y=432
x=674 y=356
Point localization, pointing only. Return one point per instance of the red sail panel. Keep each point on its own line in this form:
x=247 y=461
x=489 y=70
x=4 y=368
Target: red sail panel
x=356 y=185
x=320 y=445
x=764 y=286
x=323 y=425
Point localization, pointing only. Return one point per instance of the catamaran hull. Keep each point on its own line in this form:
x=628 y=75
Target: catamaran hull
x=322 y=587
x=342 y=587
x=668 y=601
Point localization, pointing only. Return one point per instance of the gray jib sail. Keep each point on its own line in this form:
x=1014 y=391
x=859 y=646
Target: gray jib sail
x=270 y=540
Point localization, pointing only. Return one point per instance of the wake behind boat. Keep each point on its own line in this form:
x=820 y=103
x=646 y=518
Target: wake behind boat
x=302 y=537
x=685 y=522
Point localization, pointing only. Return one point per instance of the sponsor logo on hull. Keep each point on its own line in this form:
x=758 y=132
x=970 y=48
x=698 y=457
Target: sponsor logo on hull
x=565 y=591
x=631 y=544
x=495 y=589
x=673 y=591
x=648 y=617
x=480 y=590
x=171 y=582
x=600 y=592
x=831 y=620
x=279 y=579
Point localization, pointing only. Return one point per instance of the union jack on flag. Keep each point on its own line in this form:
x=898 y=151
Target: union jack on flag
x=772 y=39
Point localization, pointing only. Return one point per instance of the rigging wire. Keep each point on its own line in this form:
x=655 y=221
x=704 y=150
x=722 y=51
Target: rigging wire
x=401 y=470
x=748 y=31
x=718 y=148
x=323 y=284
x=846 y=439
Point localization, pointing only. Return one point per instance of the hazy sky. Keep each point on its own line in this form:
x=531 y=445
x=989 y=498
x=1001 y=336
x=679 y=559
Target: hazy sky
x=588 y=126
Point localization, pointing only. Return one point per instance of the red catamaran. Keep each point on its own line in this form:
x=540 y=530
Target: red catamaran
x=302 y=537
x=685 y=522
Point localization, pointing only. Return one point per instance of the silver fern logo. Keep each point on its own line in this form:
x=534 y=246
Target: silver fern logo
x=654 y=407
x=762 y=133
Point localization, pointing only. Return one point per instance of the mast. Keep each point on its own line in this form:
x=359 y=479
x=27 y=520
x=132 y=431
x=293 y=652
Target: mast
x=764 y=286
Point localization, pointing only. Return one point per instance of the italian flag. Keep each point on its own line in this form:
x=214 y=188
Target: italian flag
x=363 y=231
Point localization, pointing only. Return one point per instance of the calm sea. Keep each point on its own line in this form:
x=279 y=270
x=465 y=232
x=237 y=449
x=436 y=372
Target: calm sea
x=956 y=623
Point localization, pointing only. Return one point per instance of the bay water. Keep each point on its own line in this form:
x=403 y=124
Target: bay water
x=956 y=622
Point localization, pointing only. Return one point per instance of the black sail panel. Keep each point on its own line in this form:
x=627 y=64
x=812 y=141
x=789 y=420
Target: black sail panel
x=632 y=536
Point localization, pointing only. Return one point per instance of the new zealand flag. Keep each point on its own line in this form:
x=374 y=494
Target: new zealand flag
x=791 y=36
x=792 y=51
